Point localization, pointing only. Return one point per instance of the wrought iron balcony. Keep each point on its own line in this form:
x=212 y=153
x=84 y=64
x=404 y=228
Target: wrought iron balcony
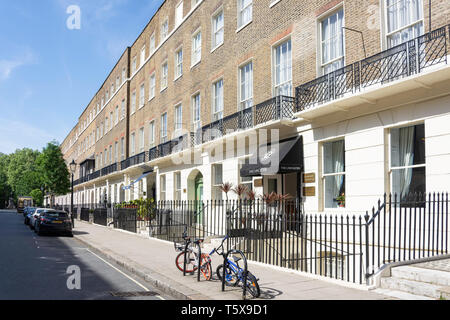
x=277 y=108
x=108 y=170
x=404 y=60
x=134 y=160
x=173 y=146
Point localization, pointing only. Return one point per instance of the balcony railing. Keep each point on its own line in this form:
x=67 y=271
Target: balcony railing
x=134 y=160
x=108 y=170
x=176 y=145
x=404 y=60
x=277 y=108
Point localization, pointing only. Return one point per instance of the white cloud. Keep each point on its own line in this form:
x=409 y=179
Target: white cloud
x=7 y=66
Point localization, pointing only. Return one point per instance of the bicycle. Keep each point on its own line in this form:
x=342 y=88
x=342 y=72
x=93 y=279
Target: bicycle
x=189 y=254
x=235 y=274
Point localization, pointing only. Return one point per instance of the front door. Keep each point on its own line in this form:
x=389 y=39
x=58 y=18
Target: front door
x=199 y=199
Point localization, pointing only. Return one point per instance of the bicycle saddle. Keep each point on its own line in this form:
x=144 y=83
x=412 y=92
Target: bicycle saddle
x=236 y=259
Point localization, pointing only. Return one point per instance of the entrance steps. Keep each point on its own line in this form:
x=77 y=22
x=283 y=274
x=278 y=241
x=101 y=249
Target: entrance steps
x=416 y=283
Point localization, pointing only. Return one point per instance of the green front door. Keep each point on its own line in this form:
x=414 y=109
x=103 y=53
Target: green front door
x=199 y=199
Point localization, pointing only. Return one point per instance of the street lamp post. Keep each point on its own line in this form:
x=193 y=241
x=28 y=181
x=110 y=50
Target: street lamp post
x=73 y=167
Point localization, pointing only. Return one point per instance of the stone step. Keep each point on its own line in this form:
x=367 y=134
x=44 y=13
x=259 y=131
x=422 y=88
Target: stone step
x=412 y=287
x=401 y=295
x=440 y=278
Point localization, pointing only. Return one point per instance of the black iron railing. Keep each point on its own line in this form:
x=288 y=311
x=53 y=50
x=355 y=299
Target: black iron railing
x=134 y=160
x=404 y=60
x=345 y=247
x=406 y=228
x=108 y=170
x=167 y=148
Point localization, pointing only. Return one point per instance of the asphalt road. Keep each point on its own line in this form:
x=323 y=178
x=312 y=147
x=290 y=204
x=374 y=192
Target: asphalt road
x=60 y=268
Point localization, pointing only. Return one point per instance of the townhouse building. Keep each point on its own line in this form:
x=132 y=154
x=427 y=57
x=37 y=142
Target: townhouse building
x=321 y=100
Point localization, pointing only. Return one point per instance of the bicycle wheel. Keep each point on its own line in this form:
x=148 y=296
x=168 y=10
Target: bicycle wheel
x=206 y=267
x=252 y=285
x=191 y=262
x=231 y=278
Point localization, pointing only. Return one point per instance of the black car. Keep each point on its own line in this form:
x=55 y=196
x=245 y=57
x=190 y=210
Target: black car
x=55 y=222
x=27 y=213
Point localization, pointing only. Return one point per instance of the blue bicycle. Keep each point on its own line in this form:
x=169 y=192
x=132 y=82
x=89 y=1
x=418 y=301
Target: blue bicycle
x=234 y=275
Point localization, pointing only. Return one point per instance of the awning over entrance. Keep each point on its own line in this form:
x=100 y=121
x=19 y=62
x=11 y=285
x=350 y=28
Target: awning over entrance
x=290 y=159
x=137 y=180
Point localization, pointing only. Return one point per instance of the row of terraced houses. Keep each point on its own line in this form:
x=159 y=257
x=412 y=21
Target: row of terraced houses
x=355 y=95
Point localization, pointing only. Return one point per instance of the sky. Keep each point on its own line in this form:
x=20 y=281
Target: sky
x=51 y=66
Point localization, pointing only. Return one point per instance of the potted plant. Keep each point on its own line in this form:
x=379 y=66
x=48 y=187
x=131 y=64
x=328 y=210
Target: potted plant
x=341 y=200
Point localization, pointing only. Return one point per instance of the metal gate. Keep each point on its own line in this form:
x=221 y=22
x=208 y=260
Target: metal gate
x=100 y=216
x=84 y=215
x=125 y=219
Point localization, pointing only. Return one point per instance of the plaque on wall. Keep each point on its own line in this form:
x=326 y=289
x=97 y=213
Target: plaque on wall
x=258 y=183
x=309 y=178
x=309 y=191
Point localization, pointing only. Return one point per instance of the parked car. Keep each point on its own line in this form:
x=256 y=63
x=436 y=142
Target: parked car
x=26 y=210
x=54 y=221
x=35 y=216
x=28 y=213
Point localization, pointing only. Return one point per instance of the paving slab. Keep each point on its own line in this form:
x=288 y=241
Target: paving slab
x=154 y=260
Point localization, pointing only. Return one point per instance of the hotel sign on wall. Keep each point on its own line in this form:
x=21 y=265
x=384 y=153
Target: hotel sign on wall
x=309 y=178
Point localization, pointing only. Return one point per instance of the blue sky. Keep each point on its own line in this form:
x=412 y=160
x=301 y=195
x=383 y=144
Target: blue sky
x=49 y=73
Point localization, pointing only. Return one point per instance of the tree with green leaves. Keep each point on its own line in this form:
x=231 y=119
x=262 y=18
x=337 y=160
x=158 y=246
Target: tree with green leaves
x=23 y=173
x=38 y=197
x=54 y=172
x=5 y=189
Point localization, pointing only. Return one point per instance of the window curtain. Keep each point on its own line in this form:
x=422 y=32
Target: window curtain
x=339 y=165
x=407 y=159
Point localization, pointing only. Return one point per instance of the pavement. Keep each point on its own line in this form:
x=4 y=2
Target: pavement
x=154 y=261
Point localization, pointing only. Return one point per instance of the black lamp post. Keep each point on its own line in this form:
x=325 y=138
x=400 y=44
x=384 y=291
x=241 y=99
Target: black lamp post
x=73 y=167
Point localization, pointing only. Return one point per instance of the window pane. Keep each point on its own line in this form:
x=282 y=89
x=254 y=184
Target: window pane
x=408 y=146
x=334 y=187
x=406 y=181
x=334 y=157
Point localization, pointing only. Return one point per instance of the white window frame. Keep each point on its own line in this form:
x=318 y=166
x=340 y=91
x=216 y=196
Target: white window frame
x=215 y=32
x=388 y=34
x=178 y=123
x=164 y=75
x=133 y=144
x=151 y=136
x=178 y=64
x=134 y=65
x=325 y=175
x=217 y=113
x=142 y=95
x=165 y=29
x=196 y=54
x=142 y=59
x=197 y=118
x=414 y=166
x=162 y=187
x=245 y=102
x=141 y=140
x=152 y=84
x=179 y=19
x=216 y=184
x=133 y=102
x=275 y=68
x=164 y=133
x=152 y=43
x=177 y=191
x=327 y=16
x=241 y=9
